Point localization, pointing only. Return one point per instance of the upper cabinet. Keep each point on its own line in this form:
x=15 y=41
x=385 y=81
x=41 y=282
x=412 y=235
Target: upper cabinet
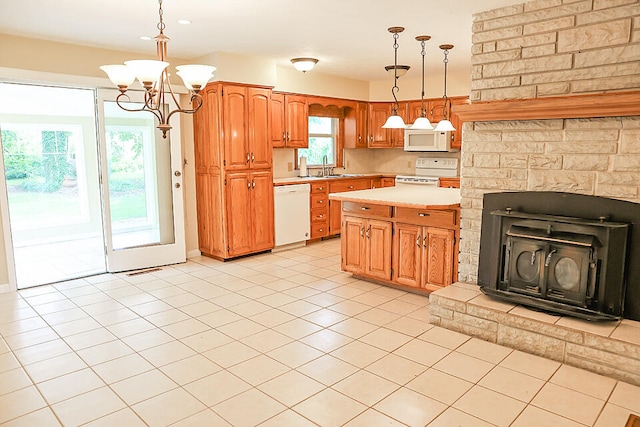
x=245 y=121
x=435 y=111
x=356 y=120
x=379 y=137
x=289 y=119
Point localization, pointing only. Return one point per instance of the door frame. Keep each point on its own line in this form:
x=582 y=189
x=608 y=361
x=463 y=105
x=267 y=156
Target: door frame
x=6 y=228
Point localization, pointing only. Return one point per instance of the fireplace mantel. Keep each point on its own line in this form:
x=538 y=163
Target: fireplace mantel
x=562 y=107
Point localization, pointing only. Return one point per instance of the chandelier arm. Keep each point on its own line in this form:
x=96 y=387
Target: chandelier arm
x=123 y=97
x=195 y=98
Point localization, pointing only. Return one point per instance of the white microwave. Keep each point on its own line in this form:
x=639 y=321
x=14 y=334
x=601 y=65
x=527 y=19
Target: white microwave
x=426 y=140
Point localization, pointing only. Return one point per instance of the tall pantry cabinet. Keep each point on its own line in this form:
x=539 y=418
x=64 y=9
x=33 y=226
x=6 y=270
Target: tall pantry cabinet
x=234 y=176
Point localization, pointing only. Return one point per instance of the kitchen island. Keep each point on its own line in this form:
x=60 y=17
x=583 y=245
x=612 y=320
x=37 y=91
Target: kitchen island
x=402 y=236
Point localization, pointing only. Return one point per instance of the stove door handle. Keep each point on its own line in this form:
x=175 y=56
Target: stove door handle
x=548 y=260
x=533 y=256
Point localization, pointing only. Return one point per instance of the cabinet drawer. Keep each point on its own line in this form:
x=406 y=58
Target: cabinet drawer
x=349 y=185
x=319 y=215
x=368 y=209
x=445 y=218
x=319 y=187
x=319 y=200
x=450 y=182
x=320 y=229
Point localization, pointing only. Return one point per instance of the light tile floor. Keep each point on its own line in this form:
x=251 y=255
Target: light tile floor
x=282 y=339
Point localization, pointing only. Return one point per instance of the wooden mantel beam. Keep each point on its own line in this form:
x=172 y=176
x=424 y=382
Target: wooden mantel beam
x=561 y=107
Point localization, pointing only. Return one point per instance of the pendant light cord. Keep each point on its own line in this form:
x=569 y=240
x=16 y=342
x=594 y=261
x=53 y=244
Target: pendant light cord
x=395 y=87
x=423 y=111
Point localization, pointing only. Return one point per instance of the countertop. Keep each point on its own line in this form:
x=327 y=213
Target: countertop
x=411 y=196
x=304 y=179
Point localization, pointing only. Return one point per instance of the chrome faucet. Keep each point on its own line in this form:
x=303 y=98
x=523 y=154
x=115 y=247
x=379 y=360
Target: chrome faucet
x=324 y=165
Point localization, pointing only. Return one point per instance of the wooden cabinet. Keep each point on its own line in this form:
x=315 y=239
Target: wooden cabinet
x=387 y=182
x=234 y=184
x=341 y=186
x=249 y=212
x=422 y=256
x=246 y=127
x=319 y=205
x=356 y=125
x=379 y=137
x=456 y=139
x=289 y=117
x=366 y=247
x=424 y=244
x=449 y=182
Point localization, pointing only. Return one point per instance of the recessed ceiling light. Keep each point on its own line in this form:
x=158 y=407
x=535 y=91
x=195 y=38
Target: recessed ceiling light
x=184 y=21
x=145 y=38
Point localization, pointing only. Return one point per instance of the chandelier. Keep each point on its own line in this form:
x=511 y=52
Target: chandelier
x=154 y=78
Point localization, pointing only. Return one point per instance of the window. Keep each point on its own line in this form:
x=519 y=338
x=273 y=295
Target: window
x=323 y=137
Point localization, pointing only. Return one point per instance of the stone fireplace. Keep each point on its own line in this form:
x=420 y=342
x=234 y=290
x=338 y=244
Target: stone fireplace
x=555 y=107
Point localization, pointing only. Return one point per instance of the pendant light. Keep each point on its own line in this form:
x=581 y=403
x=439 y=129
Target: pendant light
x=422 y=122
x=395 y=121
x=154 y=77
x=445 y=125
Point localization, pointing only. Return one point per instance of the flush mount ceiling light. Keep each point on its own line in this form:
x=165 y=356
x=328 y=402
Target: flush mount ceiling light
x=395 y=121
x=154 y=77
x=445 y=125
x=422 y=122
x=401 y=70
x=304 y=64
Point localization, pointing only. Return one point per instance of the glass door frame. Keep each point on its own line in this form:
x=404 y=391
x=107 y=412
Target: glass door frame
x=141 y=257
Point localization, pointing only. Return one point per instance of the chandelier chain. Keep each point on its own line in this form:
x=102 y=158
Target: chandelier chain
x=161 y=24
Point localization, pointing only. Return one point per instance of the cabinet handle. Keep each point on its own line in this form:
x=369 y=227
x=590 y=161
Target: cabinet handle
x=253 y=158
x=321 y=230
x=370 y=138
x=359 y=137
x=319 y=216
x=350 y=187
x=423 y=214
x=368 y=230
x=362 y=231
x=320 y=201
x=288 y=137
x=247 y=157
x=249 y=184
x=254 y=183
x=320 y=188
x=418 y=241
x=424 y=241
x=364 y=208
x=284 y=136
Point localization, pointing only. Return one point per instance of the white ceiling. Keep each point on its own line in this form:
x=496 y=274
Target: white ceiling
x=349 y=37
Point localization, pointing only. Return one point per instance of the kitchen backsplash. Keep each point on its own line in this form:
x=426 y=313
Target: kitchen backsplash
x=391 y=160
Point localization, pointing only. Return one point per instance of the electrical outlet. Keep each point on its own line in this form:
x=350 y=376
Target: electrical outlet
x=347 y=163
x=409 y=164
x=290 y=166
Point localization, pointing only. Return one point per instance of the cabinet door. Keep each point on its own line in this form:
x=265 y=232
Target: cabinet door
x=236 y=144
x=438 y=257
x=436 y=111
x=278 y=135
x=238 y=210
x=414 y=110
x=407 y=255
x=397 y=135
x=378 y=249
x=378 y=115
x=262 y=210
x=362 y=116
x=335 y=210
x=352 y=241
x=259 y=128
x=297 y=119
x=456 y=137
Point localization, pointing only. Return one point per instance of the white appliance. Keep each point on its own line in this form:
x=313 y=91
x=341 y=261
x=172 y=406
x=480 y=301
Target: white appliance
x=291 y=213
x=426 y=140
x=429 y=170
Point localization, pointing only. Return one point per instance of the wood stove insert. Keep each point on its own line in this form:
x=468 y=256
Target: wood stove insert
x=569 y=265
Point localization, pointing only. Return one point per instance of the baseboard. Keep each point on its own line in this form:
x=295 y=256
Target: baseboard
x=194 y=253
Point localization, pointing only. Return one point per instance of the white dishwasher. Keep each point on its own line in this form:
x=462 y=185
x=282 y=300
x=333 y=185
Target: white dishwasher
x=291 y=212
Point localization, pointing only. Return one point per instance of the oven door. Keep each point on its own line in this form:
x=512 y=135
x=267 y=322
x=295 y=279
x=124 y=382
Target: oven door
x=568 y=271
x=525 y=266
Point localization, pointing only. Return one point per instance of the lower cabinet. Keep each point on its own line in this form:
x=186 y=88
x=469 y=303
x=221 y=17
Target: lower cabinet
x=404 y=246
x=249 y=212
x=422 y=256
x=366 y=247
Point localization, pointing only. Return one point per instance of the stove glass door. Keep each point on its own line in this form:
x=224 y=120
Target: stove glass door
x=568 y=273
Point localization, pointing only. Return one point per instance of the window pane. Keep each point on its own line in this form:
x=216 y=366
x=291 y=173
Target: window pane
x=318 y=148
x=322 y=125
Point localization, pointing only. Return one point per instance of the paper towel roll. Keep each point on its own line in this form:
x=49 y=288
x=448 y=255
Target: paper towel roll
x=303 y=166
